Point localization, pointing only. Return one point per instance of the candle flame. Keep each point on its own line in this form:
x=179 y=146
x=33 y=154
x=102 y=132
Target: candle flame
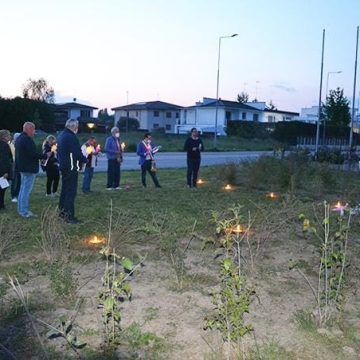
x=96 y=240
x=228 y=187
x=200 y=181
x=123 y=145
x=237 y=229
x=338 y=205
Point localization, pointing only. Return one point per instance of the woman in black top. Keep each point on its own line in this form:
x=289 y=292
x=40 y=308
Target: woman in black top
x=51 y=166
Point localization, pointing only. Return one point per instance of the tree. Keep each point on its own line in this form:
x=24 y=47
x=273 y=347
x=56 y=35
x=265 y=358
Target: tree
x=39 y=90
x=336 y=111
x=243 y=97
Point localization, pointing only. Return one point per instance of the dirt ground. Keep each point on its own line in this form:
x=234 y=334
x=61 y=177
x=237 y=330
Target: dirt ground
x=176 y=315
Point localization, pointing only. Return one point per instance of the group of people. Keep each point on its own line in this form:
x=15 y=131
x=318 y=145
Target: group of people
x=64 y=158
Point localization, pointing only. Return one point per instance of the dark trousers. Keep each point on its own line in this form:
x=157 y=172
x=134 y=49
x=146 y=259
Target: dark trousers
x=146 y=167
x=2 y=195
x=15 y=184
x=53 y=177
x=69 y=180
x=113 y=174
x=193 y=166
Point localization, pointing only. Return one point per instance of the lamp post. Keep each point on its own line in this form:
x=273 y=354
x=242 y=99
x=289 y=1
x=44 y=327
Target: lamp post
x=217 y=87
x=326 y=95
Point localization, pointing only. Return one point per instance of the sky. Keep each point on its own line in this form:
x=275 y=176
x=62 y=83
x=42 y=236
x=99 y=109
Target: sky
x=108 y=53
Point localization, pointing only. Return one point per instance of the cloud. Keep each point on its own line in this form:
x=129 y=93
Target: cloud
x=284 y=88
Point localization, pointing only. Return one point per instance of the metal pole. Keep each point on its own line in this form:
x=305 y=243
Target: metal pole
x=217 y=95
x=321 y=79
x=354 y=89
x=217 y=88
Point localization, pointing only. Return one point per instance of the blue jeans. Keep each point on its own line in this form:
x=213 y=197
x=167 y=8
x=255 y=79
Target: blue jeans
x=88 y=175
x=27 y=183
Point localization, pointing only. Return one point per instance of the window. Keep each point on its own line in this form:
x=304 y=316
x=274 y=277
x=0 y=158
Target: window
x=256 y=117
x=271 y=118
x=156 y=114
x=168 y=127
x=155 y=126
x=168 y=114
x=85 y=113
x=228 y=115
x=136 y=113
x=177 y=115
x=243 y=116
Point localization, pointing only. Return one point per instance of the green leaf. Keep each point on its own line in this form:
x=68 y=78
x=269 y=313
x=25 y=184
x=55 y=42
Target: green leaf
x=127 y=264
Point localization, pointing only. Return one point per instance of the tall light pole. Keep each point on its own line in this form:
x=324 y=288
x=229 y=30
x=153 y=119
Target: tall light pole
x=217 y=87
x=327 y=80
x=326 y=95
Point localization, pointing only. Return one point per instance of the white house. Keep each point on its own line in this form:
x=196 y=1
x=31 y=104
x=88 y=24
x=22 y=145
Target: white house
x=272 y=115
x=308 y=115
x=202 y=115
x=151 y=115
x=73 y=110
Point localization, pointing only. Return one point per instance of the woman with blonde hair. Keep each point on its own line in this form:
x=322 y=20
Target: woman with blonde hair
x=51 y=166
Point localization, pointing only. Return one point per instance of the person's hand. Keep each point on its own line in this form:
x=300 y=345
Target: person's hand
x=194 y=148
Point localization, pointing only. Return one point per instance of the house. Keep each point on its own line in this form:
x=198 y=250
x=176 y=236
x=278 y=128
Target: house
x=309 y=115
x=202 y=115
x=151 y=115
x=83 y=113
x=270 y=115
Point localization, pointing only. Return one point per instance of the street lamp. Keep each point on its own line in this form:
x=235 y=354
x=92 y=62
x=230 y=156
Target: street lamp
x=327 y=80
x=217 y=87
x=326 y=95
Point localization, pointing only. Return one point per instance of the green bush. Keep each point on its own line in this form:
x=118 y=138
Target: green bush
x=332 y=156
x=249 y=129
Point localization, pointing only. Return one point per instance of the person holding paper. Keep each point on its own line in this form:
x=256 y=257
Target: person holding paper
x=6 y=161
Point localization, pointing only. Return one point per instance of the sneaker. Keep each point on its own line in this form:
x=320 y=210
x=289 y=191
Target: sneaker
x=14 y=200
x=49 y=195
x=158 y=186
x=55 y=194
x=109 y=188
x=29 y=215
x=118 y=188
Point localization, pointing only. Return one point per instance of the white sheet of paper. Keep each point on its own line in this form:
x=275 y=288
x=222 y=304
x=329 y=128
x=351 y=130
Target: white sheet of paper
x=3 y=183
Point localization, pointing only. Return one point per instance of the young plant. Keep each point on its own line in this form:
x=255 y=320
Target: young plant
x=114 y=290
x=231 y=302
x=329 y=291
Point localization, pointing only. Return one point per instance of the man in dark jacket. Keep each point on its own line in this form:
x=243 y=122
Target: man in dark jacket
x=193 y=147
x=27 y=161
x=71 y=161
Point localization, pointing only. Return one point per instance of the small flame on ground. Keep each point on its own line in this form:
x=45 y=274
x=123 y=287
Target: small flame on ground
x=96 y=240
x=237 y=229
x=228 y=187
x=200 y=181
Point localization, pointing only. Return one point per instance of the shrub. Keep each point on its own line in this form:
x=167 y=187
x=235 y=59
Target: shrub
x=248 y=129
x=128 y=124
x=228 y=173
x=332 y=156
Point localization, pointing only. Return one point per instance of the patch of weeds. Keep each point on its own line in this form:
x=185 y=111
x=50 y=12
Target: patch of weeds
x=21 y=271
x=62 y=281
x=151 y=313
x=305 y=321
x=142 y=342
x=270 y=351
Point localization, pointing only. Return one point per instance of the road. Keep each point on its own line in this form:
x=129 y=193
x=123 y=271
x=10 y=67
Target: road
x=178 y=159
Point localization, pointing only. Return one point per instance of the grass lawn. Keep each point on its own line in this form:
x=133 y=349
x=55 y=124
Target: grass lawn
x=174 y=228
x=172 y=142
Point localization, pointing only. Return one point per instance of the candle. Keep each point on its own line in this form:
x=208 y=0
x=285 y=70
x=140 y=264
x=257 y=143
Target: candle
x=228 y=187
x=123 y=145
x=237 y=229
x=95 y=241
x=200 y=181
x=272 y=195
x=339 y=208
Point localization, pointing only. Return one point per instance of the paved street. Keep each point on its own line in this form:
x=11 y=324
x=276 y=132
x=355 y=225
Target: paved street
x=178 y=159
